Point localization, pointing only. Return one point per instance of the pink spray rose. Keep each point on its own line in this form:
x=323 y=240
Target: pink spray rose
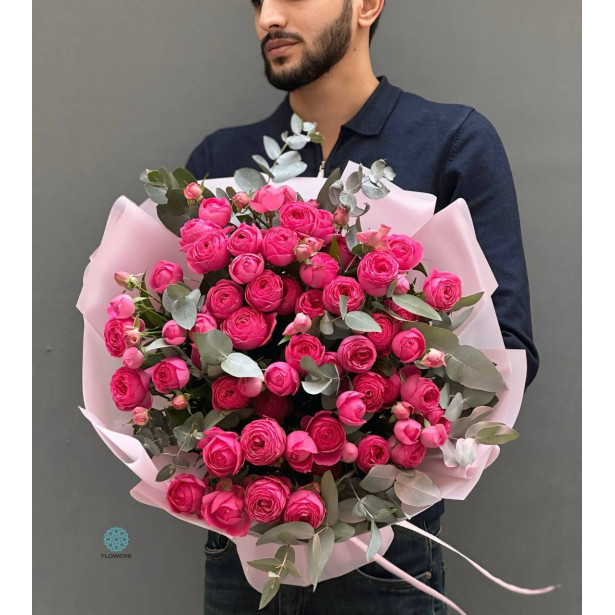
x=179 y=402
x=299 y=217
x=320 y=270
x=342 y=285
x=389 y=328
x=422 y=393
x=408 y=345
x=265 y=292
x=407 y=252
x=345 y=255
x=266 y=498
x=291 y=291
x=310 y=303
x=203 y=323
x=245 y=267
x=223 y=299
x=323 y=227
x=171 y=373
x=263 y=441
x=225 y=510
x=130 y=388
x=350 y=408
x=192 y=230
x=376 y=271
x=268 y=404
x=215 y=210
x=209 y=252
x=356 y=354
x=221 y=451
x=402 y=410
x=406 y=455
x=121 y=306
x=371 y=385
x=433 y=358
x=328 y=434
x=164 y=274
x=373 y=450
x=300 y=450
x=279 y=245
x=392 y=387
x=303 y=345
x=271 y=198
x=282 y=379
x=350 y=452
x=246 y=239
x=407 y=431
x=140 y=416
x=305 y=505
x=301 y=324
x=132 y=358
x=173 y=334
x=225 y=394
x=248 y=328
x=185 y=492
x=114 y=334
x=193 y=191
x=434 y=436
x=442 y=289
x=377 y=239
x=250 y=387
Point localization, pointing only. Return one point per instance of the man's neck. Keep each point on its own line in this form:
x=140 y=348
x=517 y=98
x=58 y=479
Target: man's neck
x=334 y=99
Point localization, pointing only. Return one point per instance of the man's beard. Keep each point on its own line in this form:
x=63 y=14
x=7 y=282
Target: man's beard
x=331 y=46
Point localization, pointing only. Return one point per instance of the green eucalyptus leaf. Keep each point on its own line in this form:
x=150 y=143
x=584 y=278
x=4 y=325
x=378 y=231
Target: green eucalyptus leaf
x=316 y=386
x=457 y=322
x=271 y=147
x=284 y=172
x=266 y=563
x=467 y=301
x=213 y=346
x=241 y=366
x=343 y=306
x=157 y=193
x=323 y=196
x=460 y=426
x=328 y=491
x=249 y=180
x=492 y=433
x=416 y=306
x=454 y=408
x=343 y=531
x=269 y=592
x=375 y=541
x=379 y=478
x=165 y=473
x=360 y=321
x=296 y=124
x=472 y=368
x=296 y=529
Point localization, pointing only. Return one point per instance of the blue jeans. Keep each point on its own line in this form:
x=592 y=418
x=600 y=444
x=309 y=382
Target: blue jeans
x=369 y=589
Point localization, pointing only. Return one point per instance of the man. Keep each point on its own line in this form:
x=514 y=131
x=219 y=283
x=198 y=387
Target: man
x=318 y=52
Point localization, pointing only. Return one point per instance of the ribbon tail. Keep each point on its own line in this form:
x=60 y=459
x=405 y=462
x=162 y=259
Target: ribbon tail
x=385 y=563
x=509 y=586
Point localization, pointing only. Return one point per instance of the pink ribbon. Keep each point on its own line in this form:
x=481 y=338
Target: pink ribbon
x=432 y=592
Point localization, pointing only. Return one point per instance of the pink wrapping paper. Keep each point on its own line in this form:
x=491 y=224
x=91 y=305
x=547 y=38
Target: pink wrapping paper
x=135 y=240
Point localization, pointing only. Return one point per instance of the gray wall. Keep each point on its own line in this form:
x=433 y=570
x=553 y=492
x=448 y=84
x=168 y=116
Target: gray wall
x=120 y=86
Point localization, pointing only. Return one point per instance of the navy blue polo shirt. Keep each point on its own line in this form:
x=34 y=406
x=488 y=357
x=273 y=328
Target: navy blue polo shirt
x=449 y=150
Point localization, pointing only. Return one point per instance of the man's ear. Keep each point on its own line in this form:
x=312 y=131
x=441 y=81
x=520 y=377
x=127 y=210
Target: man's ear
x=369 y=10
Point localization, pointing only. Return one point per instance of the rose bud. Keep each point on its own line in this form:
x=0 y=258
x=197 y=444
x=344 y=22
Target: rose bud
x=173 y=334
x=403 y=286
x=402 y=410
x=179 y=402
x=341 y=216
x=125 y=280
x=433 y=358
x=140 y=416
x=132 y=358
x=376 y=239
x=407 y=431
x=121 y=306
x=301 y=324
x=241 y=200
x=193 y=191
x=434 y=436
x=349 y=452
x=132 y=337
x=303 y=252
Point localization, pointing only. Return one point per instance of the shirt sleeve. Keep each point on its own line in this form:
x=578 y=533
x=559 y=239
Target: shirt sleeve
x=477 y=170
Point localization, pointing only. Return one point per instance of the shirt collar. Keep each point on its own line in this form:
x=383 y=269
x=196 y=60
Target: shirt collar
x=368 y=121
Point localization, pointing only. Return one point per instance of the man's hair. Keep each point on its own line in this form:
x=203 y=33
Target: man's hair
x=373 y=27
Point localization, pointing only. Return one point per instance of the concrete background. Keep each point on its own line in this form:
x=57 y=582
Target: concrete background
x=120 y=86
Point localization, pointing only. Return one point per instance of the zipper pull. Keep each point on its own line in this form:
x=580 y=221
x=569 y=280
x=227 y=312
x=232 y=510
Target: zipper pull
x=321 y=172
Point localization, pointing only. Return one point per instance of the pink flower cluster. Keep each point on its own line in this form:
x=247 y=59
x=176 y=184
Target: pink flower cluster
x=289 y=266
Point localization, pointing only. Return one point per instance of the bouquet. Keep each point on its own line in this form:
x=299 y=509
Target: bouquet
x=296 y=363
